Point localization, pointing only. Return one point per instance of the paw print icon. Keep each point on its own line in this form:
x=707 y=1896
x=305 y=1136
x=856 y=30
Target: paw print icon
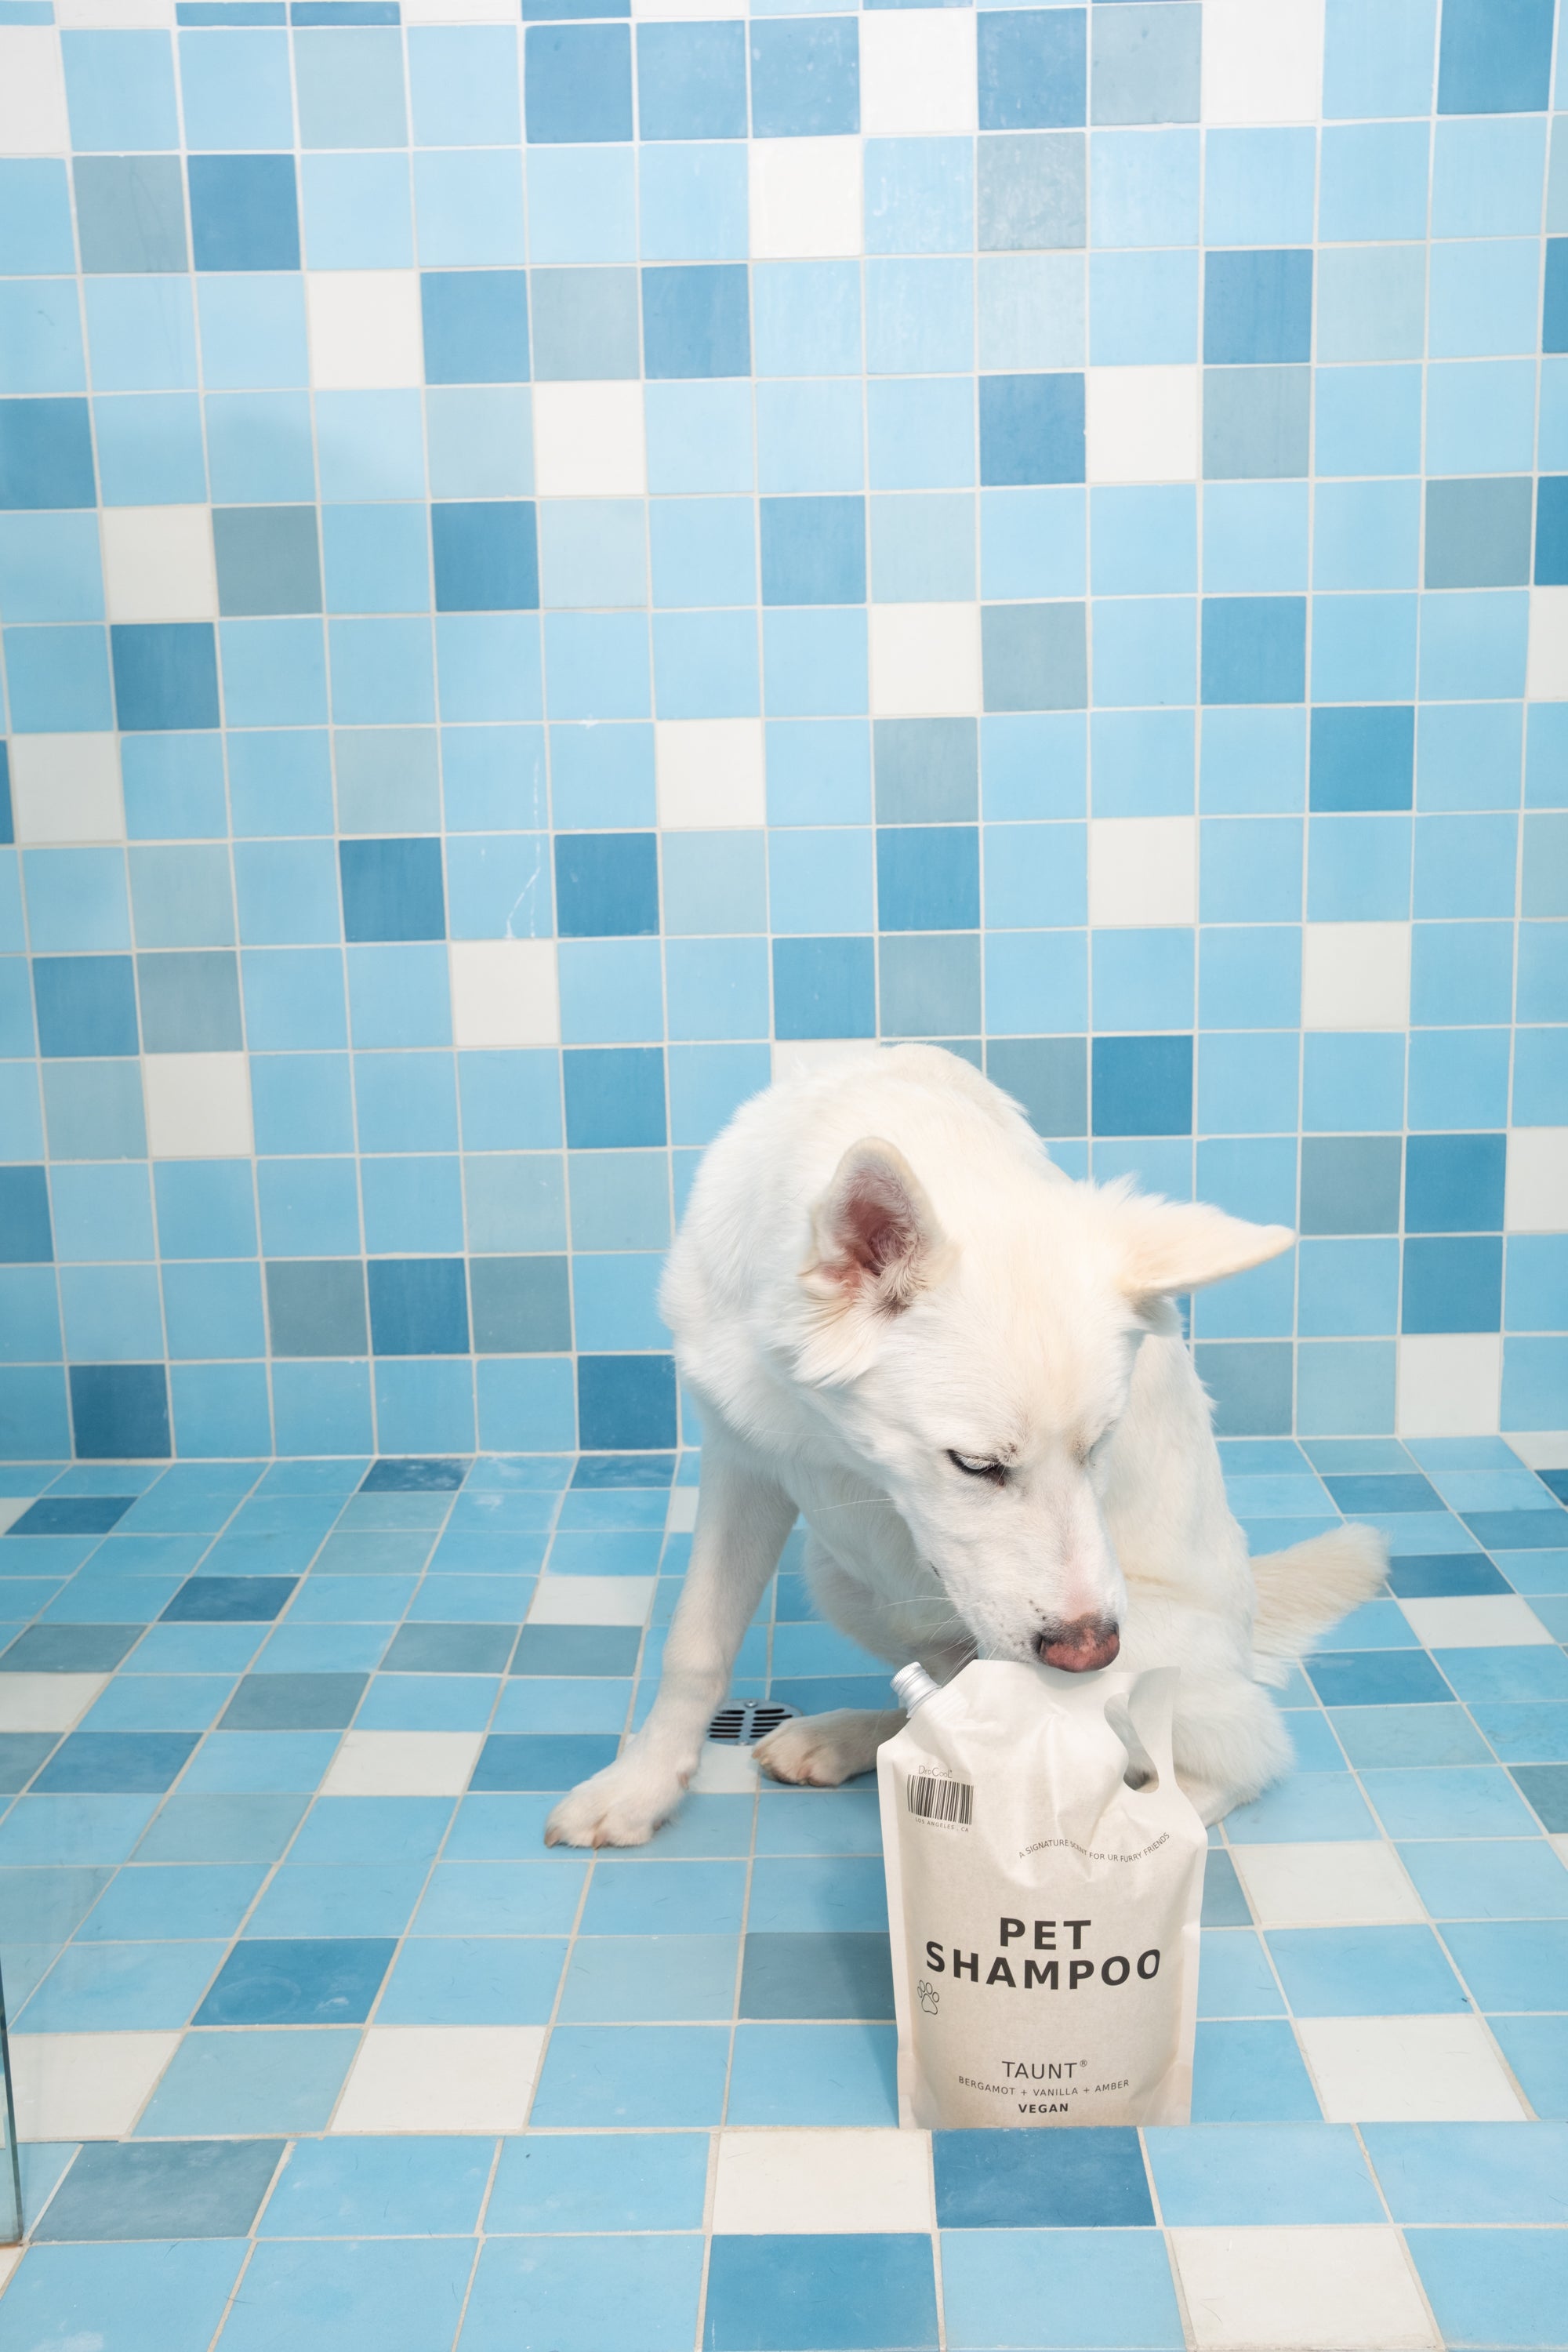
x=929 y=1997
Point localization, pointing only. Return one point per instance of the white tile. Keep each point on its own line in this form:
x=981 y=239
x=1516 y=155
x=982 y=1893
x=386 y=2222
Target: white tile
x=1559 y=1844
x=1142 y=869
x=113 y=14
x=504 y=993
x=805 y=198
x=1273 y=2290
x=46 y=1702
x=925 y=659
x=1417 y=2069
x=588 y=441
x=1263 y=61
x=592 y=1600
x=364 y=329
x=811 y=2182
x=403 y=1764
x=1450 y=1384
x=66 y=788
x=13 y=1505
x=198 y=1106
x=710 y=774
x=681 y=1516
x=1140 y=423
x=1355 y=975
x=158 y=563
x=724 y=1769
x=1542 y=1449
x=441 y=2078
x=32 y=93
x=9 y=2258
x=917 y=72
x=1350 y=1882
x=1476 y=1620
x=1537 y=1191
x=84 y=2085
x=1546 y=670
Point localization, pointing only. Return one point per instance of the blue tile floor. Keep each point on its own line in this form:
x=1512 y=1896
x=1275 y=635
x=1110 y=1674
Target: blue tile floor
x=316 y=2045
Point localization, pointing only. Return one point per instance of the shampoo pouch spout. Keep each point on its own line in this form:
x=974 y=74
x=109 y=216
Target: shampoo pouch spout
x=1045 y=1885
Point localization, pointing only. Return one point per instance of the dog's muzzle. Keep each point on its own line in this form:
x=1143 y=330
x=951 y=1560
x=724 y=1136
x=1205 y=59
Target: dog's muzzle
x=1079 y=1645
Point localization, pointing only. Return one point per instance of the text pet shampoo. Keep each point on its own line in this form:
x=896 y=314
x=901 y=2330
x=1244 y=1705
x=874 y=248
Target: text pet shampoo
x=1045 y=1882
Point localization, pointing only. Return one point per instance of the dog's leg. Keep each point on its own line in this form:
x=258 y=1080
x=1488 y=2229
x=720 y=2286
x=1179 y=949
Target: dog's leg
x=743 y=1518
x=818 y=1751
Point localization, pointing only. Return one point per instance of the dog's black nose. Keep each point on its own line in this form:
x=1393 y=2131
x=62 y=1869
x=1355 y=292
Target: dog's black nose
x=1080 y=1646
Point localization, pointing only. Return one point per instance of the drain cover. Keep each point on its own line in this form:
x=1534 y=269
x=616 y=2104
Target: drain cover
x=750 y=1721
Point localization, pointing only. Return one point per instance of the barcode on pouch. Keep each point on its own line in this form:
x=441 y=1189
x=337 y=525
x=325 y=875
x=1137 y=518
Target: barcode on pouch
x=931 y=1800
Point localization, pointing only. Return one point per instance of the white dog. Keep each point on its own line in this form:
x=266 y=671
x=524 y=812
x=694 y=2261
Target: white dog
x=965 y=1371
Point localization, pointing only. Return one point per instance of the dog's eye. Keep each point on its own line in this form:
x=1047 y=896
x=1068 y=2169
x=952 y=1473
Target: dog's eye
x=974 y=1466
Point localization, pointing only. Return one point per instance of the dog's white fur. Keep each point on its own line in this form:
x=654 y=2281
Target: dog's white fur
x=880 y=1268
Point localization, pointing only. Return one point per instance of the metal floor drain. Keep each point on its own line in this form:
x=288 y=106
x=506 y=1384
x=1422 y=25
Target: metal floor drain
x=739 y=1726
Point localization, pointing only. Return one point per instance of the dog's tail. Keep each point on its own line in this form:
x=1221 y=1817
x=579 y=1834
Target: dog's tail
x=1302 y=1592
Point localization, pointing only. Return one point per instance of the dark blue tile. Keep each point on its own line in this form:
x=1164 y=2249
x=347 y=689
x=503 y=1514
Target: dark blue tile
x=299 y=1980
x=1517 y=1530
x=1495 y=61
x=1031 y=429
x=814 y=551
x=1433 y=1576
x=696 y=317
x=1555 y=1482
x=1363 y=757
x=1254 y=648
x=476 y=326
x=824 y=987
x=691 y=80
x=927 y=877
x=86 y=1006
x=165 y=675
x=486 y=556
x=1023 y=2179
x=1453 y=1285
x=614 y=1098
x=1552 y=531
x=1350 y=1183
x=1142 y=1086
x=1225 y=1905
x=46 y=454
x=120 y=1411
x=1377 y=1678
x=1047 y=1077
x=264 y=1702
x=577 y=83
x=21 y=1753
x=1544 y=1787
x=229 y=1600
x=418 y=1307
x=1257 y=307
x=413 y=1474
x=1252 y=1384
x=533 y=1761
x=610 y=1650
x=465 y=1649
x=161 y=2189
x=601 y=1471
x=1033 y=68
x=244 y=212
x=72 y=1515
x=1454 y=1183
x=626 y=1403
x=69 y=1649
x=606 y=885
x=789 y=1974
x=26 y=1238
x=116 y=1763
x=803 y=2293
x=1356 y=1491
x=393 y=890
x=806 y=78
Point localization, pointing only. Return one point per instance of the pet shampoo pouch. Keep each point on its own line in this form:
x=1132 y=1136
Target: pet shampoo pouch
x=1044 y=1911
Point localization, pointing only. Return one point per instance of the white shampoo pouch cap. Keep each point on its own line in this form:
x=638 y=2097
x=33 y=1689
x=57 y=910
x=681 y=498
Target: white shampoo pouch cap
x=1045 y=1885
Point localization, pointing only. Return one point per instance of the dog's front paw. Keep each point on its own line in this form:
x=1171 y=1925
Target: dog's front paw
x=619 y=1806
x=820 y=1751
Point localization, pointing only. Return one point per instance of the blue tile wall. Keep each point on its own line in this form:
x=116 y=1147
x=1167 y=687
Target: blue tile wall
x=551 y=569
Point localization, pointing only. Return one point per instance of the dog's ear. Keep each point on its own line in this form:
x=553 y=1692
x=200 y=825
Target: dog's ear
x=1174 y=1245
x=875 y=1245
